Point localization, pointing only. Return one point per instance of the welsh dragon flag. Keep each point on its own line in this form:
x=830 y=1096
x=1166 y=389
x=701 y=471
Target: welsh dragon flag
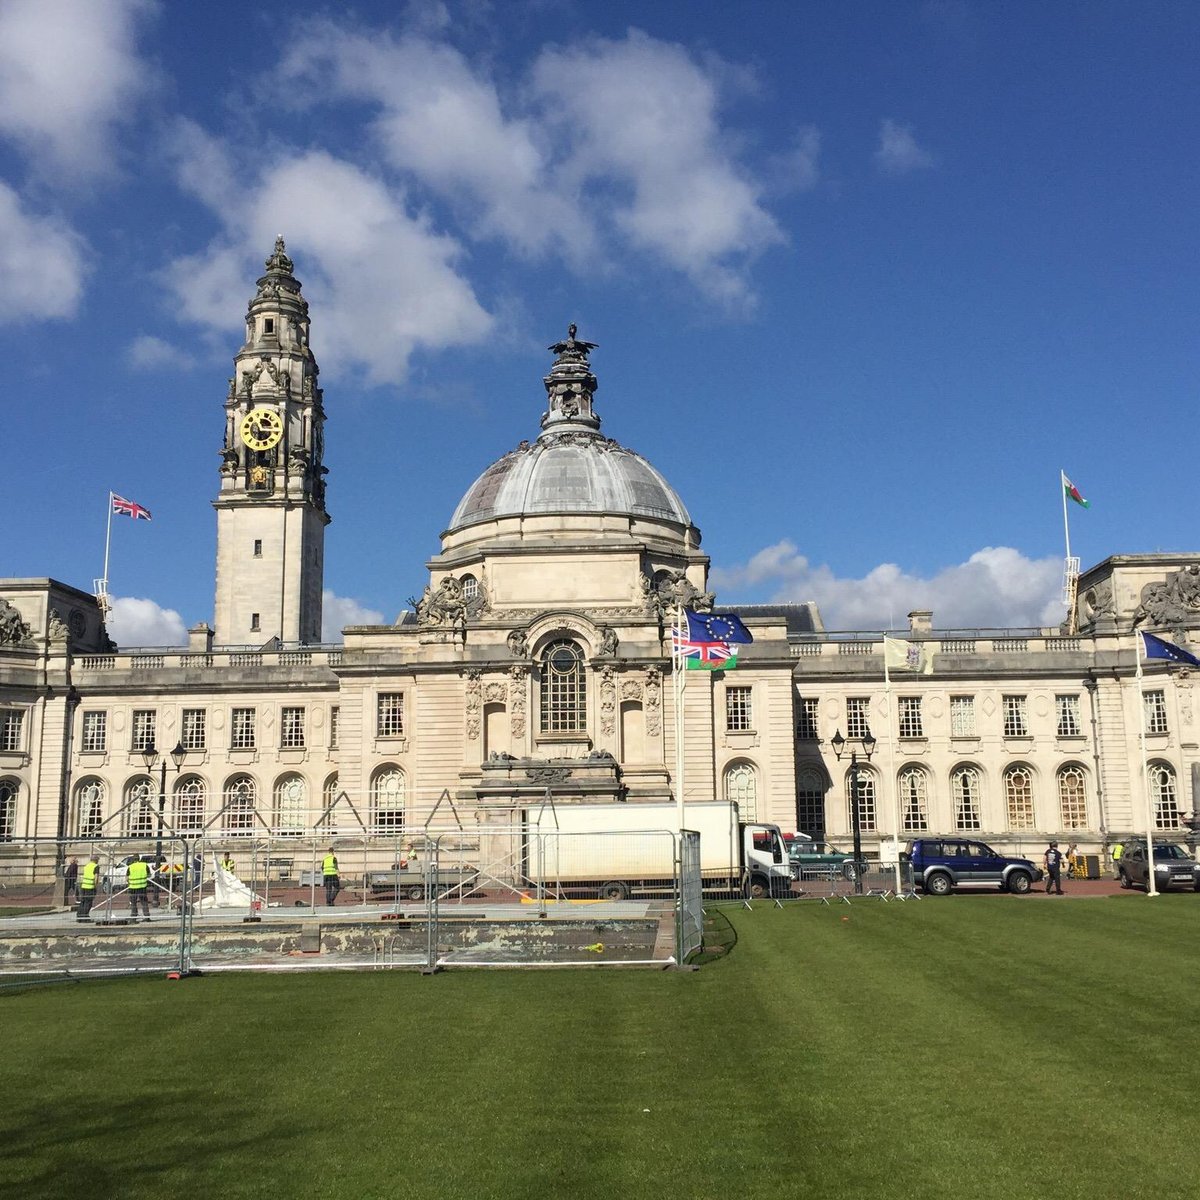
x=1073 y=492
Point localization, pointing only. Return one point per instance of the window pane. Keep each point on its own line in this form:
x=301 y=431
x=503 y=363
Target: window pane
x=738 y=716
x=563 y=696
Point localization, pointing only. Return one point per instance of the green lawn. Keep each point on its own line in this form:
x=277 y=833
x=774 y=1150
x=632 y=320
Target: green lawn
x=974 y=1047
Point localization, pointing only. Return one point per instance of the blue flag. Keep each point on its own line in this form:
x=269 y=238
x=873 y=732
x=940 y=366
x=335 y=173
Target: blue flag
x=716 y=627
x=1156 y=647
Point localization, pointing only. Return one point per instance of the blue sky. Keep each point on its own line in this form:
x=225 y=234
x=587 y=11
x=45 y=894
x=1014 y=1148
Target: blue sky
x=863 y=277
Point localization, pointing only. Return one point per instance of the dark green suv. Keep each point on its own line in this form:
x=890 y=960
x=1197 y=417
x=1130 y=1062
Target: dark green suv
x=811 y=859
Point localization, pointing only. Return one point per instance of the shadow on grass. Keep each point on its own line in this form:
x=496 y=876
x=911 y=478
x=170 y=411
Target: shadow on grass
x=720 y=938
x=102 y=1143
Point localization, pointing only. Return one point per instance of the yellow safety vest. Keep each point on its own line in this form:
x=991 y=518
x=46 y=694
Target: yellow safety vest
x=138 y=874
x=90 y=871
x=329 y=865
x=1117 y=851
x=227 y=865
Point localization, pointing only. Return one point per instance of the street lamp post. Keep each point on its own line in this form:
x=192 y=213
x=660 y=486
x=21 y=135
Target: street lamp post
x=868 y=745
x=150 y=756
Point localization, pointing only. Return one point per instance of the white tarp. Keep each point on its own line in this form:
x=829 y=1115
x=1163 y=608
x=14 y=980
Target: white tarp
x=230 y=891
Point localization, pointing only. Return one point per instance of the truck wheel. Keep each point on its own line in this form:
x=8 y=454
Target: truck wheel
x=759 y=889
x=939 y=884
x=1124 y=880
x=1019 y=883
x=416 y=892
x=850 y=872
x=614 y=890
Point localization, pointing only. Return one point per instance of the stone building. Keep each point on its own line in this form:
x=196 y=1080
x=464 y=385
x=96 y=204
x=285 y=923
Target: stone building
x=539 y=656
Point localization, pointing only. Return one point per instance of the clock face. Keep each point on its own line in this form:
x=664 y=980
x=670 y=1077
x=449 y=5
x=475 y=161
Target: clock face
x=261 y=428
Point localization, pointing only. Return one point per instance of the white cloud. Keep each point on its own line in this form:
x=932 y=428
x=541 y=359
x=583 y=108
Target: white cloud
x=997 y=587
x=136 y=622
x=339 y=611
x=798 y=169
x=639 y=118
x=42 y=265
x=385 y=281
x=898 y=152
x=443 y=122
x=147 y=353
x=69 y=74
x=610 y=143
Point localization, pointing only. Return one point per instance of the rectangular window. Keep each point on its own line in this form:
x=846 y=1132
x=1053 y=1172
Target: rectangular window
x=241 y=735
x=1155 y=706
x=1068 y=716
x=806 y=726
x=1015 y=724
x=389 y=720
x=810 y=808
x=255 y=623
x=334 y=714
x=195 y=729
x=962 y=716
x=95 y=732
x=258 y=547
x=11 y=720
x=857 y=725
x=738 y=715
x=143 y=729
x=910 y=717
x=291 y=734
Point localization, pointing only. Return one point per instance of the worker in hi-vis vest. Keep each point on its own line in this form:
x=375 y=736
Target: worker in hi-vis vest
x=137 y=876
x=89 y=880
x=329 y=873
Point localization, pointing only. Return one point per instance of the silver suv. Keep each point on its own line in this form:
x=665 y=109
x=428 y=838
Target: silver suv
x=1173 y=867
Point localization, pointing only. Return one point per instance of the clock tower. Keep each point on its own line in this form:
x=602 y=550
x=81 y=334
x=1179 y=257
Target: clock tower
x=271 y=514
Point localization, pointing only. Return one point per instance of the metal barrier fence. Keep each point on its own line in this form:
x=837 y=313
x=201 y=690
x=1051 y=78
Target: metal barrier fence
x=842 y=883
x=481 y=895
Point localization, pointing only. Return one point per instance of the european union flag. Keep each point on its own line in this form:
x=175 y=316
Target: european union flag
x=1156 y=647
x=717 y=627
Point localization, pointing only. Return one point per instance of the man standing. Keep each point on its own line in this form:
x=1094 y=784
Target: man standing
x=1053 y=863
x=329 y=873
x=71 y=881
x=87 y=887
x=1117 y=850
x=137 y=876
x=227 y=864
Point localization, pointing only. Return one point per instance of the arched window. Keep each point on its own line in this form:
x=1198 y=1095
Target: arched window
x=1164 y=797
x=914 y=800
x=470 y=588
x=190 y=798
x=387 y=800
x=1018 y=797
x=329 y=794
x=8 y=808
x=964 y=788
x=239 y=799
x=1072 y=798
x=741 y=787
x=89 y=807
x=141 y=807
x=866 y=801
x=564 y=695
x=291 y=804
x=810 y=802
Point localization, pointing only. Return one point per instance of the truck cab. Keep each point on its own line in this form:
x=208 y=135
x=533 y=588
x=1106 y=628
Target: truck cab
x=765 y=859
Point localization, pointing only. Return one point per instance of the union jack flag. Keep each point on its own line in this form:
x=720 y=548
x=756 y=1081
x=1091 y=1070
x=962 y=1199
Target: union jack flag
x=127 y=508
x=703 y=656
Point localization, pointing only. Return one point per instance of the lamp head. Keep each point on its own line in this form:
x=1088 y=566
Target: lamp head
x=838 y=743
x=149 y=756
x=178 y=755
x=869 y=744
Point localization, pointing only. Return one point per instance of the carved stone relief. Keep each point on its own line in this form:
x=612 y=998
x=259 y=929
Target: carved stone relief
x=516 y=702
x=1172 y=602
x=608 y=701
x=669 y=590
x=56 y=627
x=13 y=630
x=474 y=690
x=653 y=702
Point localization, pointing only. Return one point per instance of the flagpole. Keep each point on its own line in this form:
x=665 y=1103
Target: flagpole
x=1151 y=890
x=1062 y=481
x=677 y=658
x=101 y=584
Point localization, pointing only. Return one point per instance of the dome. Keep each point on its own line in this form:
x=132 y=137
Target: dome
x=571 y=467
x=568 y=472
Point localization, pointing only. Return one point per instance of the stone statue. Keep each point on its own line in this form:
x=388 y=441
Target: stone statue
x=445 y=606
x=13 y=630
x=518 y=643
x=608 y=640
x=671 y=590
x=56 y=627
x=1170 y=603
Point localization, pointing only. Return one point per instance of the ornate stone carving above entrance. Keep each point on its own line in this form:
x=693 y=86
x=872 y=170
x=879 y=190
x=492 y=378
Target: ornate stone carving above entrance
x=13 y=629
x=1171 y=603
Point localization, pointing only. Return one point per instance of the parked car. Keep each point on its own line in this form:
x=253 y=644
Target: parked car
x=941 y=864
x=812 y=859
x=115 y=877
x=1174 y=867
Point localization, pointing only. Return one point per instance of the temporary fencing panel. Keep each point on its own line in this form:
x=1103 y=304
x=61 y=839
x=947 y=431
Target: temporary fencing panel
x=691 y=895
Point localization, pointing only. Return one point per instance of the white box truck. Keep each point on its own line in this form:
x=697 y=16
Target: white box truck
x=614 y=851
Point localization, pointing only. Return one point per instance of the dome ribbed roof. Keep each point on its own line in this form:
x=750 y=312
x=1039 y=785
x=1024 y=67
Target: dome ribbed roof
x=571 y=468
